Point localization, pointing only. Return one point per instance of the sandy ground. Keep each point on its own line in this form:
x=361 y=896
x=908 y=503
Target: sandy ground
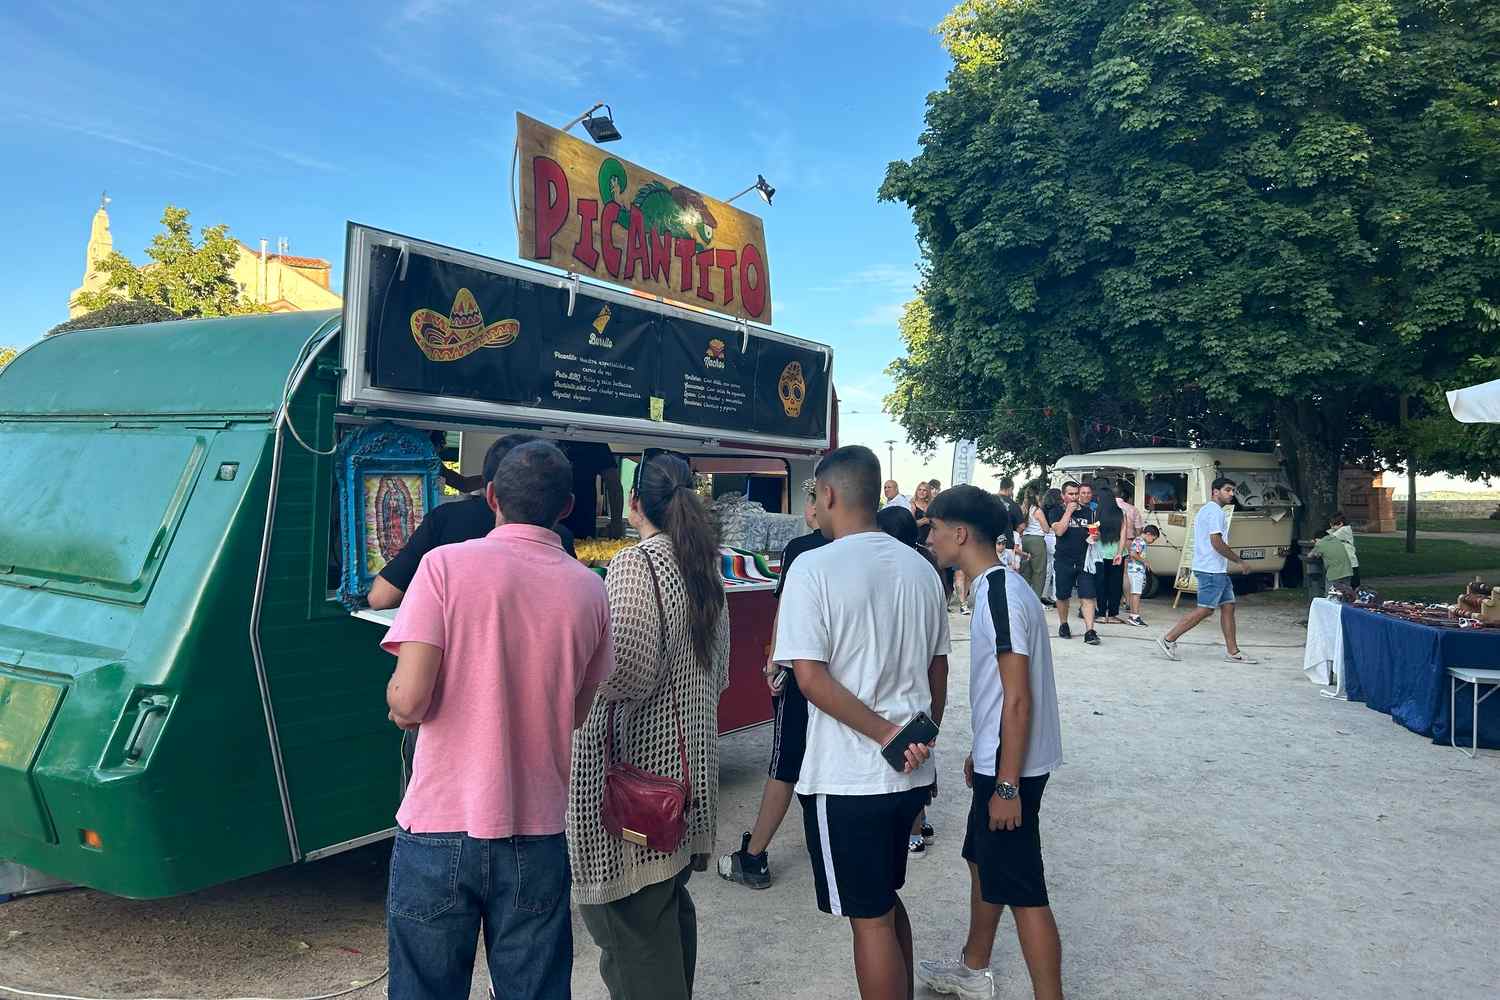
x=1217 y=831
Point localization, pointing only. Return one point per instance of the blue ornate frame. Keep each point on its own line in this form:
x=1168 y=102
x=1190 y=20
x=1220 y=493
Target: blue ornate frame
x=381 y=449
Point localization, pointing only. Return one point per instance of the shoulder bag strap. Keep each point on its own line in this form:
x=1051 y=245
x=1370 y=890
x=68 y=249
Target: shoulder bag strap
x=661 y=614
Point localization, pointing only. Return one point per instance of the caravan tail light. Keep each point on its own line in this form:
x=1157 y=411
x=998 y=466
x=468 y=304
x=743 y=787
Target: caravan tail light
x=91 y=840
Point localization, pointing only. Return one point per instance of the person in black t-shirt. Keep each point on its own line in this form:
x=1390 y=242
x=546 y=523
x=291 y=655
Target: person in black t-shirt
x=749 y=865
x=591 y=462
x=456 y=521
x=1008 y=543
x=1070 y=522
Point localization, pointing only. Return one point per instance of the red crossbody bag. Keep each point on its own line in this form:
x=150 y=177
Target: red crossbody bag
x=640 y=807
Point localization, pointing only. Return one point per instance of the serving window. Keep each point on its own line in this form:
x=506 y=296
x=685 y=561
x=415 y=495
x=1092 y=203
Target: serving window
x=1166 y=491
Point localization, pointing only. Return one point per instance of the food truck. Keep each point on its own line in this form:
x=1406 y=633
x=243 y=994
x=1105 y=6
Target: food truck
x=1169 y=484
x=188 y=690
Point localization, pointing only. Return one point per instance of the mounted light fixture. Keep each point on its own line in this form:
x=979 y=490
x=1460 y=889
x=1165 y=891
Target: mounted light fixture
x=601 y=128
x=760 y=187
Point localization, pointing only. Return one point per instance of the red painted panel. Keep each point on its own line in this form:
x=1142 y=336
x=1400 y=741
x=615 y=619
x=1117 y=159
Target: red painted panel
x=747 y=702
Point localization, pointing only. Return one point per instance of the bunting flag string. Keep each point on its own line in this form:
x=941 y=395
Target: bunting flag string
x=1100 y=427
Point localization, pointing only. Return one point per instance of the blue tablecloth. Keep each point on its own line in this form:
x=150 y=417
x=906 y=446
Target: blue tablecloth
x=1401 y=668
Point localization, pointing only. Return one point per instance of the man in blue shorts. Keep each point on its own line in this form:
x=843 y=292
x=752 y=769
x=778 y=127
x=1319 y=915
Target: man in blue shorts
x=1211 y=558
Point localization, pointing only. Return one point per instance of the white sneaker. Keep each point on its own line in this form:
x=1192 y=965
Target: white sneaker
x=952 y=977
x=1168 y=649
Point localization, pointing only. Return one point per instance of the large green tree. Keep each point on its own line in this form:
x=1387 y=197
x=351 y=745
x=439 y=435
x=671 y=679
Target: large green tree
x=191 y=278
x=7 y=354
x=1022 y=425
x=1284 y=212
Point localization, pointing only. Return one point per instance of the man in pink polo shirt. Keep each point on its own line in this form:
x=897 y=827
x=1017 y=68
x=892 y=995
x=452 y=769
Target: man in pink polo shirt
x=500 y=643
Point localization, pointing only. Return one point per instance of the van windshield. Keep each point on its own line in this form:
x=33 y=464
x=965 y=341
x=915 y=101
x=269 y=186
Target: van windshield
x=1257 y=489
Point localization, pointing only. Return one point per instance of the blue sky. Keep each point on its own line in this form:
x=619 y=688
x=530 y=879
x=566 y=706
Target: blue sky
x=288 y=120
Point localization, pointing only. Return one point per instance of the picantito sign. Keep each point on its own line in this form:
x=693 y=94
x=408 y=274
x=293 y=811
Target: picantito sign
x=587 y=211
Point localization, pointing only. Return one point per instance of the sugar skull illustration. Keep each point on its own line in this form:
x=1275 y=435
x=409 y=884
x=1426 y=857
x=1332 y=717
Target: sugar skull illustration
x=792 y=387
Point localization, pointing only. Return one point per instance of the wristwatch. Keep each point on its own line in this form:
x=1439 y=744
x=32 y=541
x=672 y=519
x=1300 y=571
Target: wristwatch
x=1006 y=790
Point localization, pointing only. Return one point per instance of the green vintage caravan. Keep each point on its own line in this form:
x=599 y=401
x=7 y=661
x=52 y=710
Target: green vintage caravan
x=183 y=698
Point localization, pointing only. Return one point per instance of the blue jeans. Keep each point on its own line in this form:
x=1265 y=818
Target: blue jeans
x=445 y=886
x=1214 y=589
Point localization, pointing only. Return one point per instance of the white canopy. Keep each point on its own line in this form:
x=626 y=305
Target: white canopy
x=1478 y=404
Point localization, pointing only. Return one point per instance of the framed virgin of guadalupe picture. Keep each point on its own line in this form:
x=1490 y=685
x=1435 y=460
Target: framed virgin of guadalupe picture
x=388 y=481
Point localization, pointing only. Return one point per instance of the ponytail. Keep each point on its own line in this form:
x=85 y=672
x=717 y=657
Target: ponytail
x=664 y=486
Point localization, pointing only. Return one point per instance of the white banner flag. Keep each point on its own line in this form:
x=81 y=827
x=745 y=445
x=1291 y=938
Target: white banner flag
x=965 y=454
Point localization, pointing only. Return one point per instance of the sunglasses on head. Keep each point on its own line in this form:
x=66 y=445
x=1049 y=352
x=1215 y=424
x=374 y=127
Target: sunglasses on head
x=650 y=453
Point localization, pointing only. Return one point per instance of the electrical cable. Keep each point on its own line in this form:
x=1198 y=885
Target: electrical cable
x=310 y=352
x=323 y=996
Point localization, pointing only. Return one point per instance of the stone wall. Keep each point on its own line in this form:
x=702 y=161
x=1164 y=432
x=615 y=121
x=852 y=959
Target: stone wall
x=1435 y=510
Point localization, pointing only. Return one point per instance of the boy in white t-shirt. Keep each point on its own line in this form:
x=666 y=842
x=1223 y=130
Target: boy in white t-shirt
x=1017 y=744
x=1135 y=572
x=864 y=625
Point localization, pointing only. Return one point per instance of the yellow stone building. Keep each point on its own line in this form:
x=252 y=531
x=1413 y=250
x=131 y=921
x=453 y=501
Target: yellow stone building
x=279 y=281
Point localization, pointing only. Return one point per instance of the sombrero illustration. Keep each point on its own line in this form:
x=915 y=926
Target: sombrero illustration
x=461 y=332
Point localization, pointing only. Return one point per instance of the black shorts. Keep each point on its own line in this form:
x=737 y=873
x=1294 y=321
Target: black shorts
x=1009 y=861
x=789 y=735
x=1070 y=576
x=858 y=845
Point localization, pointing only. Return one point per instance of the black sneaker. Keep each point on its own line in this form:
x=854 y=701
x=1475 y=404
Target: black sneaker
x=1091 y=637
x=916 y=847
x=753 y=870
x=928 y=834
x=1063 y=632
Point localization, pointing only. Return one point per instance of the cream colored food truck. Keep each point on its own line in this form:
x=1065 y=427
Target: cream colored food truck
x=1168 y=484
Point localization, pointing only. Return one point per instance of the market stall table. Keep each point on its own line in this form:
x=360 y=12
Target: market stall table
x=1323 y=657
x=1400 y=668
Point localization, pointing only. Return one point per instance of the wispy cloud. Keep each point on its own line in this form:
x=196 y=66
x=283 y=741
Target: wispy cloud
x=890 y=277
x=664 y=26
x=865 y=394
x=422 y=10
x=887 y=315
x=106 y=134
x=297 y=159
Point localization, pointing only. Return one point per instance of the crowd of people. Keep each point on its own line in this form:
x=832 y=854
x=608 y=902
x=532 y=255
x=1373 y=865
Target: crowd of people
x=1083 y=539
x=590 y=776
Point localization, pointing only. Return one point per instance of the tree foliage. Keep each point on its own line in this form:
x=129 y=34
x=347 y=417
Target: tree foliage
x=7 y=355
x=1276 y=213
x=190 y=278
x=120 y=313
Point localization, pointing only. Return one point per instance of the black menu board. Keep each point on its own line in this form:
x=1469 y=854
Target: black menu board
x=599 y=360
x=455 y=331
x=446 y=324
x=791 y=391
x=706 y=375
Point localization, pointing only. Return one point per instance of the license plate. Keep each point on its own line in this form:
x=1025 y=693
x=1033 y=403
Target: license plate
x=1252 y=553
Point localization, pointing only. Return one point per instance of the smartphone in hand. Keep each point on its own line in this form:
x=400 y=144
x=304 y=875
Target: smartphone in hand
x=920 y=729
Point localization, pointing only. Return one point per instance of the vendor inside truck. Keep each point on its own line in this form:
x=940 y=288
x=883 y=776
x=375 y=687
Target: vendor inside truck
x=458 y=521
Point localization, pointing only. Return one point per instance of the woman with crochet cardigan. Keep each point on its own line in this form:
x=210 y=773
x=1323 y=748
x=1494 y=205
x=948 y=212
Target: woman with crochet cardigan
x=633 y=900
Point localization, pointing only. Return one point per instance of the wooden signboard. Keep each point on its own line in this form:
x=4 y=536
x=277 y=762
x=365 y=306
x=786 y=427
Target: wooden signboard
x=587 y=211
x=1186 y=582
